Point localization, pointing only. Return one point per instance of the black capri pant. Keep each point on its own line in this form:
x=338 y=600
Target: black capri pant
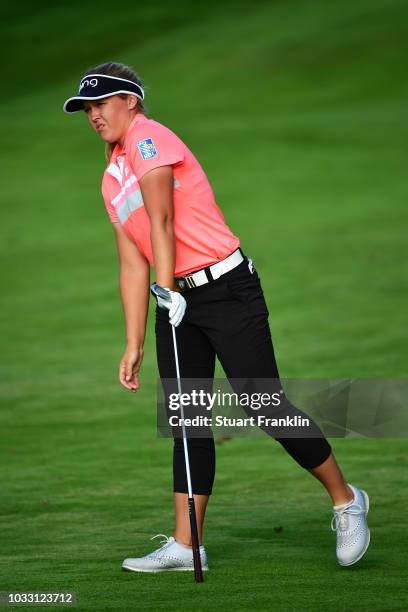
x=226 y=318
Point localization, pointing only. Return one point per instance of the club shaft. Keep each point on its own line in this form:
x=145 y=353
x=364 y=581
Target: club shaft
x=198 y=573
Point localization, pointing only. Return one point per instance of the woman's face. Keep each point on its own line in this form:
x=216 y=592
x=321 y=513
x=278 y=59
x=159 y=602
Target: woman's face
x=110 y=117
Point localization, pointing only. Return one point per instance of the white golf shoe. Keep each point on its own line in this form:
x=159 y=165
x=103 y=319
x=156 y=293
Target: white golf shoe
x=171 y=556
x=350 y=524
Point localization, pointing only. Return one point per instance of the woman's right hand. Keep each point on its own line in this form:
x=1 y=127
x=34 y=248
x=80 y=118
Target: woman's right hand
x=129 y=367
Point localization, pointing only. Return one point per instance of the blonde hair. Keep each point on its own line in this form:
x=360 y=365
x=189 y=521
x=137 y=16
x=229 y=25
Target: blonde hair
x=124 y=72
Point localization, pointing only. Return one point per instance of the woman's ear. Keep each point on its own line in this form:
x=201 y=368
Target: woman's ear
x=131 y=102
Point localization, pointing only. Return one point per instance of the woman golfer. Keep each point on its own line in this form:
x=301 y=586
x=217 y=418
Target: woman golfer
x=164 y=214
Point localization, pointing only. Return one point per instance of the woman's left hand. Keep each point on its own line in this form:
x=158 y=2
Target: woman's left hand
x=176 y=307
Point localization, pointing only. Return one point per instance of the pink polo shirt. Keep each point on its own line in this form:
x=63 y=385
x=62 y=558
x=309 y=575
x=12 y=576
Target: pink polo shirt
x=202 y=236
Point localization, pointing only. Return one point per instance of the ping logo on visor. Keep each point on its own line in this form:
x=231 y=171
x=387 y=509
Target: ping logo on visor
x=147 y=148
x=88 y=83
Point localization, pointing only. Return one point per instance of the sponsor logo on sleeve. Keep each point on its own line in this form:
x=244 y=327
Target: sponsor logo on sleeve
x=147 y=148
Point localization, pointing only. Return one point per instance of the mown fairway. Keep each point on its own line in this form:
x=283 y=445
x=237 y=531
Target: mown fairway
x=297 y=111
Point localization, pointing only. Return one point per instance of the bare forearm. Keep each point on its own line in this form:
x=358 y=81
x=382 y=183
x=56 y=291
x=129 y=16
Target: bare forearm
x=164 y=252
x=134 y=292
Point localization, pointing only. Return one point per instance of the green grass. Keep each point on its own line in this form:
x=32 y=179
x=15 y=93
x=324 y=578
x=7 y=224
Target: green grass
x=297 y=112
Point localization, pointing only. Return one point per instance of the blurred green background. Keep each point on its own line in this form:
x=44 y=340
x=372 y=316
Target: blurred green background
x=296 y=110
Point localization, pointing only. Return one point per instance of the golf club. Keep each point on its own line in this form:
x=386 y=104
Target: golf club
x=158 y=291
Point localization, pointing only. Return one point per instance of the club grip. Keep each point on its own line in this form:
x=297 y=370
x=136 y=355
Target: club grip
x=198 y=571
